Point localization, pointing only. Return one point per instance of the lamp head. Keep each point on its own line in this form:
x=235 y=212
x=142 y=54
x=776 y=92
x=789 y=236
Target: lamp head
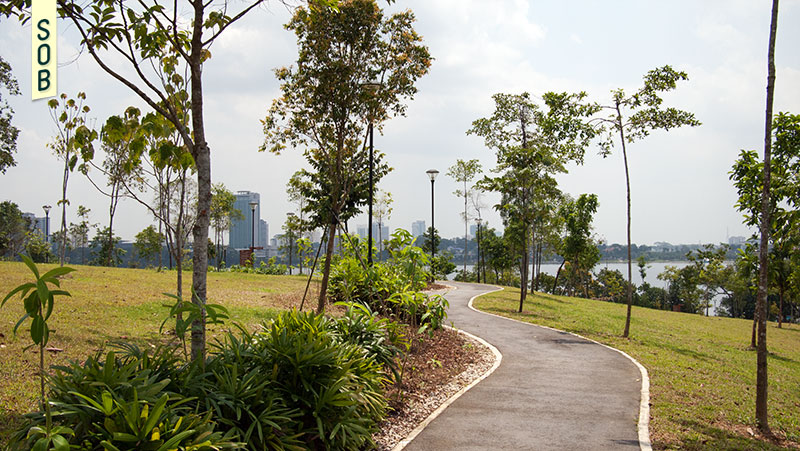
x=253 y=206
x=46 y=209
x=432 y=173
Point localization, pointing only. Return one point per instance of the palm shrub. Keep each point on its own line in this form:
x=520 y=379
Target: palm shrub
x=335 y=385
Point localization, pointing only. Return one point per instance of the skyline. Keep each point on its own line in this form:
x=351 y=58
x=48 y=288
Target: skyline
x=680 y=189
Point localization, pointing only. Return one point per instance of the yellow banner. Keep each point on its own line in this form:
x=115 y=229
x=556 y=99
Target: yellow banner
x=44 y=60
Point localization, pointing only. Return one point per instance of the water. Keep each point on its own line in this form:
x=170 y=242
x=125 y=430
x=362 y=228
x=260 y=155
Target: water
x=652 y=271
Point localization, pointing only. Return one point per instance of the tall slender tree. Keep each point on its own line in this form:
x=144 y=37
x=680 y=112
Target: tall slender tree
x=73 y=137
x=632 y=118
x=531 y=145
x=328 y=102
x=130 y=41
x=763 y=274
x=464 y=171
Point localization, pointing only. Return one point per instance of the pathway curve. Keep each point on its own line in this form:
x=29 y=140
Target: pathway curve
x=553 y=390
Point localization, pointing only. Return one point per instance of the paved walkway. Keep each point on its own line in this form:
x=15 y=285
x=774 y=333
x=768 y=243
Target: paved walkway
x=552 y=390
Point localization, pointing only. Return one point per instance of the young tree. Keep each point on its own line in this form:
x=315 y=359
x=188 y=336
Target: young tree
x=578 y=248
x=328 y=101
x=222 y=213
x=123 y=144
x=105 y=251
x=148 y=243
x=632 y=118
x=73 y=136
x=12 y=229
x=382 y=211
x=531 y=146
x=8 y=133
x=126 y=39
x=79 y=233
x=762 y=417
x=464 y=172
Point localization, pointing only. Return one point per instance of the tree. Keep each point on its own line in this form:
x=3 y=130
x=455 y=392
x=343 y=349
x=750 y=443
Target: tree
x=382 y=210
x=292 y=230
x=764 y=229
x=632 y=118
x=222 y=213
x=8 y=133
x=105 y=251
x=73 y=136
x=123 y=38
x=464 y=172
x=327 y=104
x=12 y=229
x=431 y=244
x=148 y=243
x=123 y=144
x=36 y=247
x=79 y=233
x=531 y=146
x=578 y=248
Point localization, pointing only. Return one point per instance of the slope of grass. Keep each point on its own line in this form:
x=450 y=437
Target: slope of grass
x=702 y=374
x=115 y=303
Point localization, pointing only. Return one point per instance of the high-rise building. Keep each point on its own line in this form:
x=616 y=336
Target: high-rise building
x=418 y=228
x=262 y=237
x=473 y=230
x=241 y=233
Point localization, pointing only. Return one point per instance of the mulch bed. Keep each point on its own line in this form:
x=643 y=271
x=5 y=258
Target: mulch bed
x=436 y=368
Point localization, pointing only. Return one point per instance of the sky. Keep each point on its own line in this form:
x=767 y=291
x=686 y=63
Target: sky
x=679 y=179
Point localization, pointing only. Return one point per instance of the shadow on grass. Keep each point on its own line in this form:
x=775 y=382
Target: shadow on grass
x=712 y=438
x=550 y=297
x=690 y=353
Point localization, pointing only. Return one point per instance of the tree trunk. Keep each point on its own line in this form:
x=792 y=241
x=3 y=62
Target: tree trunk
x=62 y=245
x=763 y=279
x=780 y=308
x=558 y=273
x=629 y=288
x=202 y=157
x=326 y=271
x=523 y=276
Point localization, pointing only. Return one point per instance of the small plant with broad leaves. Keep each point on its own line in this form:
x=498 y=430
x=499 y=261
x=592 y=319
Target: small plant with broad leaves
x=185 y=313
x=39 y=301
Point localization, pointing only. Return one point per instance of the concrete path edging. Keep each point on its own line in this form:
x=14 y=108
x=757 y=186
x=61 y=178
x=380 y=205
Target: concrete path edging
x=498 y=358
x=643 y=425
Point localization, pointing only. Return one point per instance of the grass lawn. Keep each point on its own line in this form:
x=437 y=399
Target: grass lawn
x=702 y=374
x=112 y=304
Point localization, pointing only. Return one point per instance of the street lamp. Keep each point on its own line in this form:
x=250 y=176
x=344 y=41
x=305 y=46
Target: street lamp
x=478 y=238
x=46 y=209
x=432 y=173
x=372 y=87
x=253 y=206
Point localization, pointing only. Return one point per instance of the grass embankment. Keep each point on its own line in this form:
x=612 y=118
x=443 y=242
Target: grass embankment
x=110 y=304
x=702 y=374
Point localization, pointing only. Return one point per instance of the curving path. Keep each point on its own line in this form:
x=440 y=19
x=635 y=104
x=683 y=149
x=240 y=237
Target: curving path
x=552 y=390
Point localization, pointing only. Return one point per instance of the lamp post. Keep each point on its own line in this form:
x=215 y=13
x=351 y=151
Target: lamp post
x=46 y=209
x=372 y=87
x=432 y=173
x=253 y=206
x=478 y=238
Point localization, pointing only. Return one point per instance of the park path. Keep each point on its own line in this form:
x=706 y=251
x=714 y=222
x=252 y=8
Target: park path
x=552 y=390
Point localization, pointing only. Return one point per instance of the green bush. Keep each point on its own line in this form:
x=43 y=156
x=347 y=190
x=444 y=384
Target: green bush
x=380 y=337
x=335 y=385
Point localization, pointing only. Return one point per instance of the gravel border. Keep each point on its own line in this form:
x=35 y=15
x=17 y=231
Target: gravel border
x=395 y=431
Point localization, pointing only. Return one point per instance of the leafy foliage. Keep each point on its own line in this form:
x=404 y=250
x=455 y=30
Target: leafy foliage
x=8 y=133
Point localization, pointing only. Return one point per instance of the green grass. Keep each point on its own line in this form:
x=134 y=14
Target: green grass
x=118 y=304
x=702 y=374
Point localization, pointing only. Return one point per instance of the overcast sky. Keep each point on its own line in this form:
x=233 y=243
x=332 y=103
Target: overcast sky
x=680 y=187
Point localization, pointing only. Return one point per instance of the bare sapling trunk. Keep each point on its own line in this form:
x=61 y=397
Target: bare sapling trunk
x=763 y=277
x=629 y=288
x=327 y=268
